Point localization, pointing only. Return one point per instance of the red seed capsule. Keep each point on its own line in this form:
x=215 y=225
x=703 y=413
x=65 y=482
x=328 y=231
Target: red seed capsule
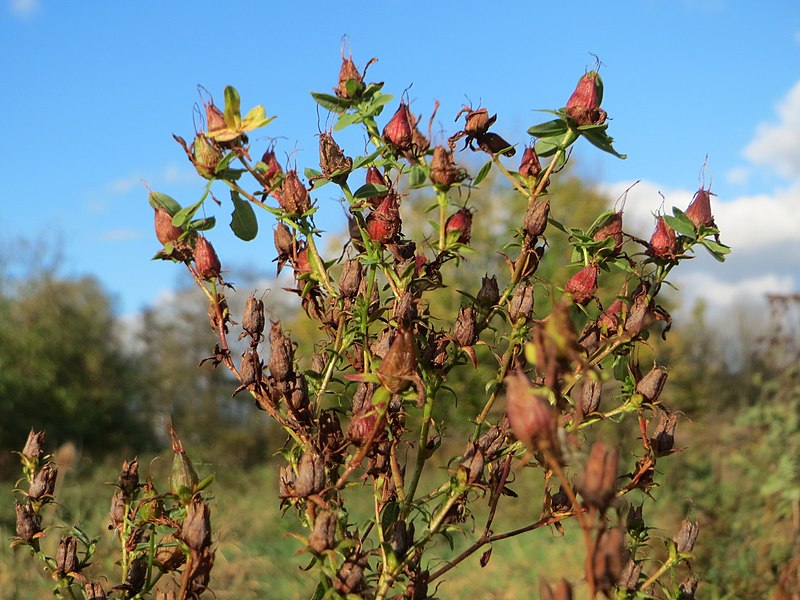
x=699 y=211
x=205 y=259
x=166 y=232
x=663 y=242
x=583 y=284
x=399 y=131
x=462 y=223
x=584 y=103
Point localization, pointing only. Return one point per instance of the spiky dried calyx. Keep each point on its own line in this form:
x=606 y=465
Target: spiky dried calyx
x=206 y=260
x=332 y=161
x=489 y=294
x=33 y=446
x=584 y=103
x=583 y=284
x=444 y=172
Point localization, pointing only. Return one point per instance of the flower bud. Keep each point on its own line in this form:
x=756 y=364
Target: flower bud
x=323 y=537
x=530 y=167
x=598 y=481
x=310 y=475
x=663 y=242
x=332 y=161
x=281 y=353
x=206 y=260
x=350 y=279
x=489 y=294
x=584 y=103
x=461 y=222
x=196 y=529
x=294 y=197
x=583 y=284
x=29 y=523
x=699 y=211
x=205 y=156
x=183 y=476
x=536 y=218
x=611 y=228
x=166 y=232
x=532 y=419
x=443 y=168
x=67 y=556
x=44 y=482
x=384 y=223
x=399 y=130
x=686 y=537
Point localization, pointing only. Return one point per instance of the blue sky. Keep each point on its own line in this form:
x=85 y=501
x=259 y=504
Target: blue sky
x=92 y=92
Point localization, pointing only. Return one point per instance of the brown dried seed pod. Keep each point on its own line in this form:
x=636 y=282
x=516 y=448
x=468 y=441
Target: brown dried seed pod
x=443 y=168
x=686 y=537
x=465 y=330
x=611 y=228
x=196 y=529
x=44 y=482
x=253 y=317
x=350 y=279
x=663 y=440
x=67 y=556
x=652 y=384
x=294 y=197
x=530 y=166
x=29 y=523
x=399 y=366
x=310 y=475
x=609 y=558
x=332 y=161
x=94 y=590
x=128 y=479
x=169 y=555
x=33 y=446
x=598 y=481
x=532 y=420
x=535 y=221
x=489 y=294
x=281 y=353
x=323 y=536
x=521 y=304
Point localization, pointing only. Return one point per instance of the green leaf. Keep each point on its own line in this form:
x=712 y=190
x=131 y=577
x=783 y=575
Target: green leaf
x=370 y=190
x=312 y=173
x=417 y=177
x=233 y=116
x=545 y=147
x=243 y=219
x=718 y=251
x=346 y=119
x=364 y=160
x=257 y=117
x=554 y=128
x=389 y=515
x=598 y=137
x=330 y=102
x=158 y=200
x=681 y=223
x=482 y=173
x=204 y=224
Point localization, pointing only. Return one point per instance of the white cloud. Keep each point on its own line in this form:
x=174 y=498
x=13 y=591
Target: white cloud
x=172 y=174
x=777 y=145
x=24 y=9
x=701 y=284
x=738 y=175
